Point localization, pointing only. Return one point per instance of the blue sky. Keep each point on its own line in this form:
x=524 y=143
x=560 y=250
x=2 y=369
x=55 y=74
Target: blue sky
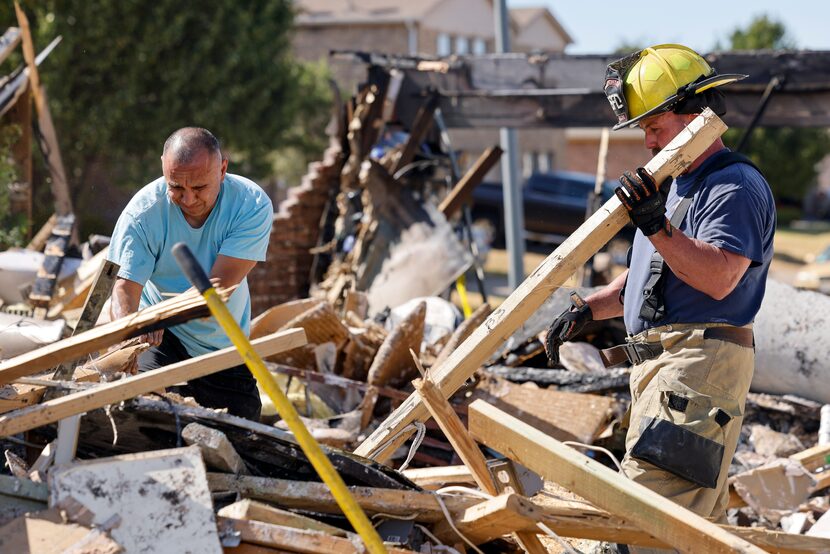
x=596 y=29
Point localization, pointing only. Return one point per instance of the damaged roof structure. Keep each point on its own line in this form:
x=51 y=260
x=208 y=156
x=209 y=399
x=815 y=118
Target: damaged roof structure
x=351 y=323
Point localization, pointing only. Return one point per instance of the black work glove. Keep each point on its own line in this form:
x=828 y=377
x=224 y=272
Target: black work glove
x=645 y=201
x=565 y=327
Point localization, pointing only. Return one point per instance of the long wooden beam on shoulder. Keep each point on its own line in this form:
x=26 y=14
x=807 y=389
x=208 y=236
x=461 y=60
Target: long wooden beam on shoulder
x=669 y=522
x=116 y=391
x=551 y=274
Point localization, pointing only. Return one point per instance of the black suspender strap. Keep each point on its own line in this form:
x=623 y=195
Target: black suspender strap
x=654 y=305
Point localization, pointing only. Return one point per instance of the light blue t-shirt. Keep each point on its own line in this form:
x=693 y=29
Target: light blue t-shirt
x=734 y=210
x=238 y=226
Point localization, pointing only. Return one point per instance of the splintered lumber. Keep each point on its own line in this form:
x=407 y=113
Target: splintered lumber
x=275 y=317
x=217 y=450
x=317 y=497
x=296 y=540
x=488 y=520
x=454 y=430
x=468 y=451
x=611 y=491
x=440 y=476
x=321 y=325
x=100 y=290
x=116 y=391
x=463 y=190
x=183 y=307
x=251 y=510
x=20 y=395
x=420 y=127
x=393 y=366
x=552 y=273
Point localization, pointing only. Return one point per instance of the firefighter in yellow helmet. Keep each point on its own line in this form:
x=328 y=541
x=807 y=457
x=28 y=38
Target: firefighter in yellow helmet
x=695 y=281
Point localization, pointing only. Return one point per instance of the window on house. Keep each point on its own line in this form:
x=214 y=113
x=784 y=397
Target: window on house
x=462 y=45
x=443 y=45
x=479 y=46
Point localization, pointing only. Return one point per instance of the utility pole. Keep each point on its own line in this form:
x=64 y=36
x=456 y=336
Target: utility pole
x=511 y=186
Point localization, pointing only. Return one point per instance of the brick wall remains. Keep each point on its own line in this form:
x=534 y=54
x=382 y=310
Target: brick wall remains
x=285 y=274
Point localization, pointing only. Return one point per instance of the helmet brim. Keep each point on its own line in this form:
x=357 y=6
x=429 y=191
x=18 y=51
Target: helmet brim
x=692 y=89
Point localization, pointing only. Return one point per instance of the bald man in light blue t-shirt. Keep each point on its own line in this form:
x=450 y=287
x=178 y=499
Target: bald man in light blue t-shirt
x=225 y=219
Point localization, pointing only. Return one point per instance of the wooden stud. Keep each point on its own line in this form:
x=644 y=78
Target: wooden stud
x=665 y=520
x=251 y=510
x=463 y=190
x=116 y=391
x=317 y=497
x=296 y=540
x=552 y=273
x=466 y=448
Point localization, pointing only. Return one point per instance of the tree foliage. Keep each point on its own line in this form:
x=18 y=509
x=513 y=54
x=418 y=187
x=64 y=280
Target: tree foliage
x=787 y=156
x=128 y=73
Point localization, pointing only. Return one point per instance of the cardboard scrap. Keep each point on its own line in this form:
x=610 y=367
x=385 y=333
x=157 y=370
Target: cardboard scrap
x=162 y=498
x=563 y=415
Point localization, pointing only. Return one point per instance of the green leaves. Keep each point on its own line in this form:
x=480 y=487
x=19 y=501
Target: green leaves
x=129 y=73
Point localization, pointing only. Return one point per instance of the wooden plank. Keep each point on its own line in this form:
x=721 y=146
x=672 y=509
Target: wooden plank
x=552 y=273
x=456 y=434
x=217 y=450
x=317 y=497
x=8 y=42
x=420 y=127
x=46 y=532
x=257 y=511
x=665 y=520
x=19 y=395
x=98 y=295
x=75 y=291
x=38 y=242
x=494 y=518
x=468 y=451
x=580 y=519
x=463 y=190
x=60 y=185
x=181 y=308
x=438 y=477
x=295 y=540
x=116 y=391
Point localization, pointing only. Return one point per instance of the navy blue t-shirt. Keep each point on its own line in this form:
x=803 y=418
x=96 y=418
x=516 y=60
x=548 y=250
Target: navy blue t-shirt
x=734 y=210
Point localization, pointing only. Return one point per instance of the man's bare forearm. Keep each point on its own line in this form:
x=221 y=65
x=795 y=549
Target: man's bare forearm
x=126 y=296
x=606 y=303
x=705 y=267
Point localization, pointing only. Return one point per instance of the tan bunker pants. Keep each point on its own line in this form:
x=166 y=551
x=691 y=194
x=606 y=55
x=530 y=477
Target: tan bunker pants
x=686 y=412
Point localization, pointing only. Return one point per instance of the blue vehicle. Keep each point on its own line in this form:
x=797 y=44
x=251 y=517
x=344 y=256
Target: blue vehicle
x=555 y=204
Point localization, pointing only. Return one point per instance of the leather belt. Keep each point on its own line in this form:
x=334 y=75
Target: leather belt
x=638 y=352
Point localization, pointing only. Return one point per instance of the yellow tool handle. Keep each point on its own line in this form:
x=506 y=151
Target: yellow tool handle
x=351 y=509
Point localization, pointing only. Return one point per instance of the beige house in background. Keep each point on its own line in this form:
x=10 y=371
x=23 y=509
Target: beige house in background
x=445 y=28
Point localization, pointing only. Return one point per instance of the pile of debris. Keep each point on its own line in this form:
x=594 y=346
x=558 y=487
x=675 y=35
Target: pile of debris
x=506 y=453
